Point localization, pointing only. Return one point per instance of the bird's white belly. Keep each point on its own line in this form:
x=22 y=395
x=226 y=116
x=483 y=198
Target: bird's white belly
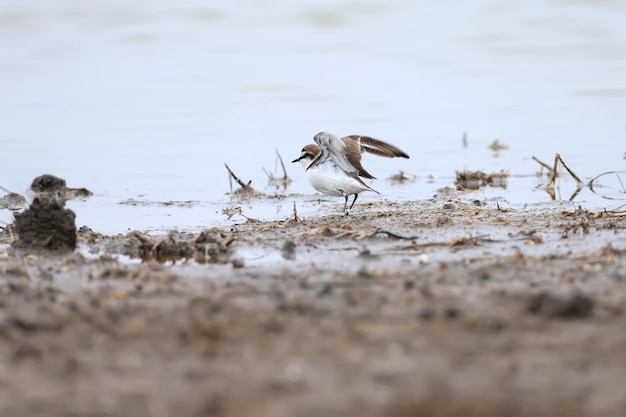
x=330 y=180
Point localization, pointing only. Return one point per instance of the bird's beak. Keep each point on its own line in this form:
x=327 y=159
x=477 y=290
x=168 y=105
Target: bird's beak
x=297 y=159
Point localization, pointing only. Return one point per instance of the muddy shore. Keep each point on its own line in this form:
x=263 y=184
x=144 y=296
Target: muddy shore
x=445 y=307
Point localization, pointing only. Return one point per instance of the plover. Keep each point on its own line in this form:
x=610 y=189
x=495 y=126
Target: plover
x=334 y=167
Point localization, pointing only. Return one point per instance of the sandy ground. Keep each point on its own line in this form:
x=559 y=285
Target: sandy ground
x=446 y=307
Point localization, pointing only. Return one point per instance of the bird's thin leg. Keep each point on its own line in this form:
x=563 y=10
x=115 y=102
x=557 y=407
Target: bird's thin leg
x=353 y=201
x=345 y=205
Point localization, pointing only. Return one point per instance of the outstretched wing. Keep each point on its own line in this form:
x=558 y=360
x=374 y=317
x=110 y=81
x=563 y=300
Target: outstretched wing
x=357 y=144
x=377 y=146
x=354 y=151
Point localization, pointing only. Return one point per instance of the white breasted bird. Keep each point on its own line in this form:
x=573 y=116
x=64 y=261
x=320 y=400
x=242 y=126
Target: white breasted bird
x=334 y=167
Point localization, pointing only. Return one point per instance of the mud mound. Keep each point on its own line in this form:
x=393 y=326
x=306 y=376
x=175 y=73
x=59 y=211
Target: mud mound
x=48 y=184
x=46 y=225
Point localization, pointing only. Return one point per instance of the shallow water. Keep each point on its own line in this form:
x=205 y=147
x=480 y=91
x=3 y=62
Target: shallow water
x=147 y=100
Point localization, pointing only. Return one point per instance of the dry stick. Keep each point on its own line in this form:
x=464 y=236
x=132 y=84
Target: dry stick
x=580 y=183
x=619 y=179
x=285 y=178
x=269 y=174
x=543 y=164
x=553 y=174
x=591 y=181
x=249 y=219
x=230 y=179
x=240 y=182
x=392 y=234
x=462 y=241
x=549 y=190
x=578 y=190
x=295 y=214
x=282 y=164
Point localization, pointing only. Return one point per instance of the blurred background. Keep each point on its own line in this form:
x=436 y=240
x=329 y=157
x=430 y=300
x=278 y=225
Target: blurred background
x=146 y=100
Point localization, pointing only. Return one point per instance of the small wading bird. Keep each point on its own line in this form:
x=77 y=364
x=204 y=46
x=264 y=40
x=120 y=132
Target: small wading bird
x=334 y=165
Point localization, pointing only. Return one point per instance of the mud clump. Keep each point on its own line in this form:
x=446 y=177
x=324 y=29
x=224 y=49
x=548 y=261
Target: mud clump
x=12 y=201
x=573 y=306
x=473 y=180
x=207 y=247
x=48 y=184
x=46 y=225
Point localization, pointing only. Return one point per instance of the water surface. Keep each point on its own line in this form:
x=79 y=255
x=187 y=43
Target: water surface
x=146 y=100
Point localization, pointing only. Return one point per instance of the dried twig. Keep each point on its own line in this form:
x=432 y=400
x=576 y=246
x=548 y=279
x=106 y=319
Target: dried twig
x=245 y=188
x=543 y=164
x=554 y=173
x=592 y=184
x=402 y=177
x=285 y=180
x=229 y=212
x=452 y=243
x=295 y=213
x=578 y=180
x=282 y=164
x=294 y=216
x=580 y=183
x=393 y=235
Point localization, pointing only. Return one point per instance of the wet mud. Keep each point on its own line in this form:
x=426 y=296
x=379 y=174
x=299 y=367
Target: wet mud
x=446 y=307
x=45 y=225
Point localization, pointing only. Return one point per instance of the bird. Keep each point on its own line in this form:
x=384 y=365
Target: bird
x=334 y=166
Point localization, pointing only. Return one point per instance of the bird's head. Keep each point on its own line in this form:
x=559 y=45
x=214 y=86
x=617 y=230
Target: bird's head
x=308 y=154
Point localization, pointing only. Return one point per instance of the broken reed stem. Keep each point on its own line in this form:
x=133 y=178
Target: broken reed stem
x=230 y=179
x=284 y=180
x=569 y=170
x=295 y=213
x=553 y=171
x=282 y=164
x=236 y=178
x=617 y=175
x=543 y=164
x=554 y=174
